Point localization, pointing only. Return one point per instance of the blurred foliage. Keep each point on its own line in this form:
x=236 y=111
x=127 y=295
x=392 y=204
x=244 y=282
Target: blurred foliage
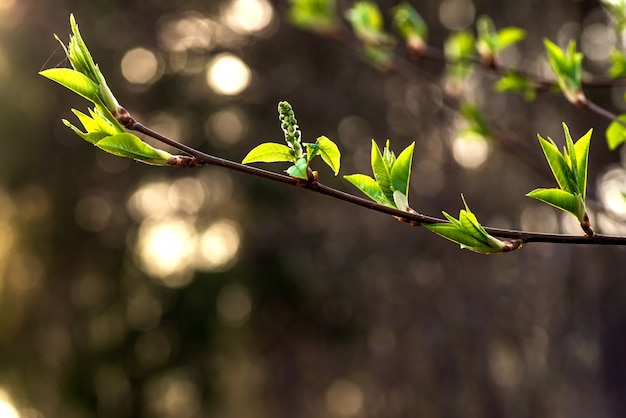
x=130 y=290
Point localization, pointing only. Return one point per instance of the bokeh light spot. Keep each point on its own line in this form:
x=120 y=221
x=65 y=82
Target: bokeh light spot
x=234 y=305
x=7 y=410
x=456 y=14
x=227 y=74
x=218 y=246
x=228 y=125
x=470 y=150
x=186 y=195
x=174 y=395
x=140 y=66
x=150 y=201
x=247 y=16
x=612 y=191
x=344 y=398
x=165 y=248
x=191 y=31
x=597 y=42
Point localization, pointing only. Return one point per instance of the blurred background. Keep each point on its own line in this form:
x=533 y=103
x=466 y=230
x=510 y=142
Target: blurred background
x=134 y=291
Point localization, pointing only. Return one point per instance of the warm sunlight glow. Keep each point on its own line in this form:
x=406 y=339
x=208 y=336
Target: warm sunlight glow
x=612 y=191
x=470 y=150
x=247 y=16
x=228 y=75
x=597 y=42
x=190 y=31
x=165 y=247
x=7 y=410
x=218 y=246
x=140 y=66
x=150 y=201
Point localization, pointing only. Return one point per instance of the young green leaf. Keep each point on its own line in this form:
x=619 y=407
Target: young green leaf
x=401 y=170
x=381 y=170
x=411 y=26
x=559 y=166
x=616 y=133
x=369 y=187
x=567 y=67
x=127 y=145
x=299 y=170
x=400 y=200
x=269 y=152
x=467 y=232
x=518 y=84
x=582 y=156
x=618 y=64
x=74 y=81
x=329 y=152
x=315 y=15
x=367 y=23
x=561 y=199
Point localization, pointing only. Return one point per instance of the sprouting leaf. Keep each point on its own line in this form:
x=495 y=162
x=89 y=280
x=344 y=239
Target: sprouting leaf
x=127 y=145
x=476 y=120
x=299 y=169
x=558 y=165
x=467 y=232
x=582 y=161
x=517 y=83
x=618 y=64
x=329 y=152
x=459 y=49
x=560 y=199
x=616 y=133
x=410 y=25
x=509 y=36
x=401 y=170
x=570 y=170
x=369 y=187
x=74 y=81
x=367 y=23
x=315 y=15
x=269 y=152
x=381 y=171
x=567 y=67
x=90 y=136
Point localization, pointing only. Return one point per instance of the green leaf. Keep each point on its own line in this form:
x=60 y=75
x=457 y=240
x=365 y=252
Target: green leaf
x=561 y=199
x=559 y=166
x=476 y=120
x=127 y=145
x=94 y=137
x=367 y=23
x=369 y=187
x=616 y=133
x=315 y=15
x=567 y=67
x=467 y=232
x=329 y=152
x=618 y=64
x=582 y=160
x=409 y=23
x=401 y=170
x=509 y=36
x=517 y=83
x=381 y=171
x=269 y=152
x=299 y=169
x=75 y=81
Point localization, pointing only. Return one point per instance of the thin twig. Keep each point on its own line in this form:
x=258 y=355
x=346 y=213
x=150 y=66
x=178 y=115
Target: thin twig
x=412 y=218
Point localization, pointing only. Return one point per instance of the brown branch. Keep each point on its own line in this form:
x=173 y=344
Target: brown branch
x=411 y=217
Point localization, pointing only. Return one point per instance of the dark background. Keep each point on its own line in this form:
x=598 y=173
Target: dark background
x=316 y=308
